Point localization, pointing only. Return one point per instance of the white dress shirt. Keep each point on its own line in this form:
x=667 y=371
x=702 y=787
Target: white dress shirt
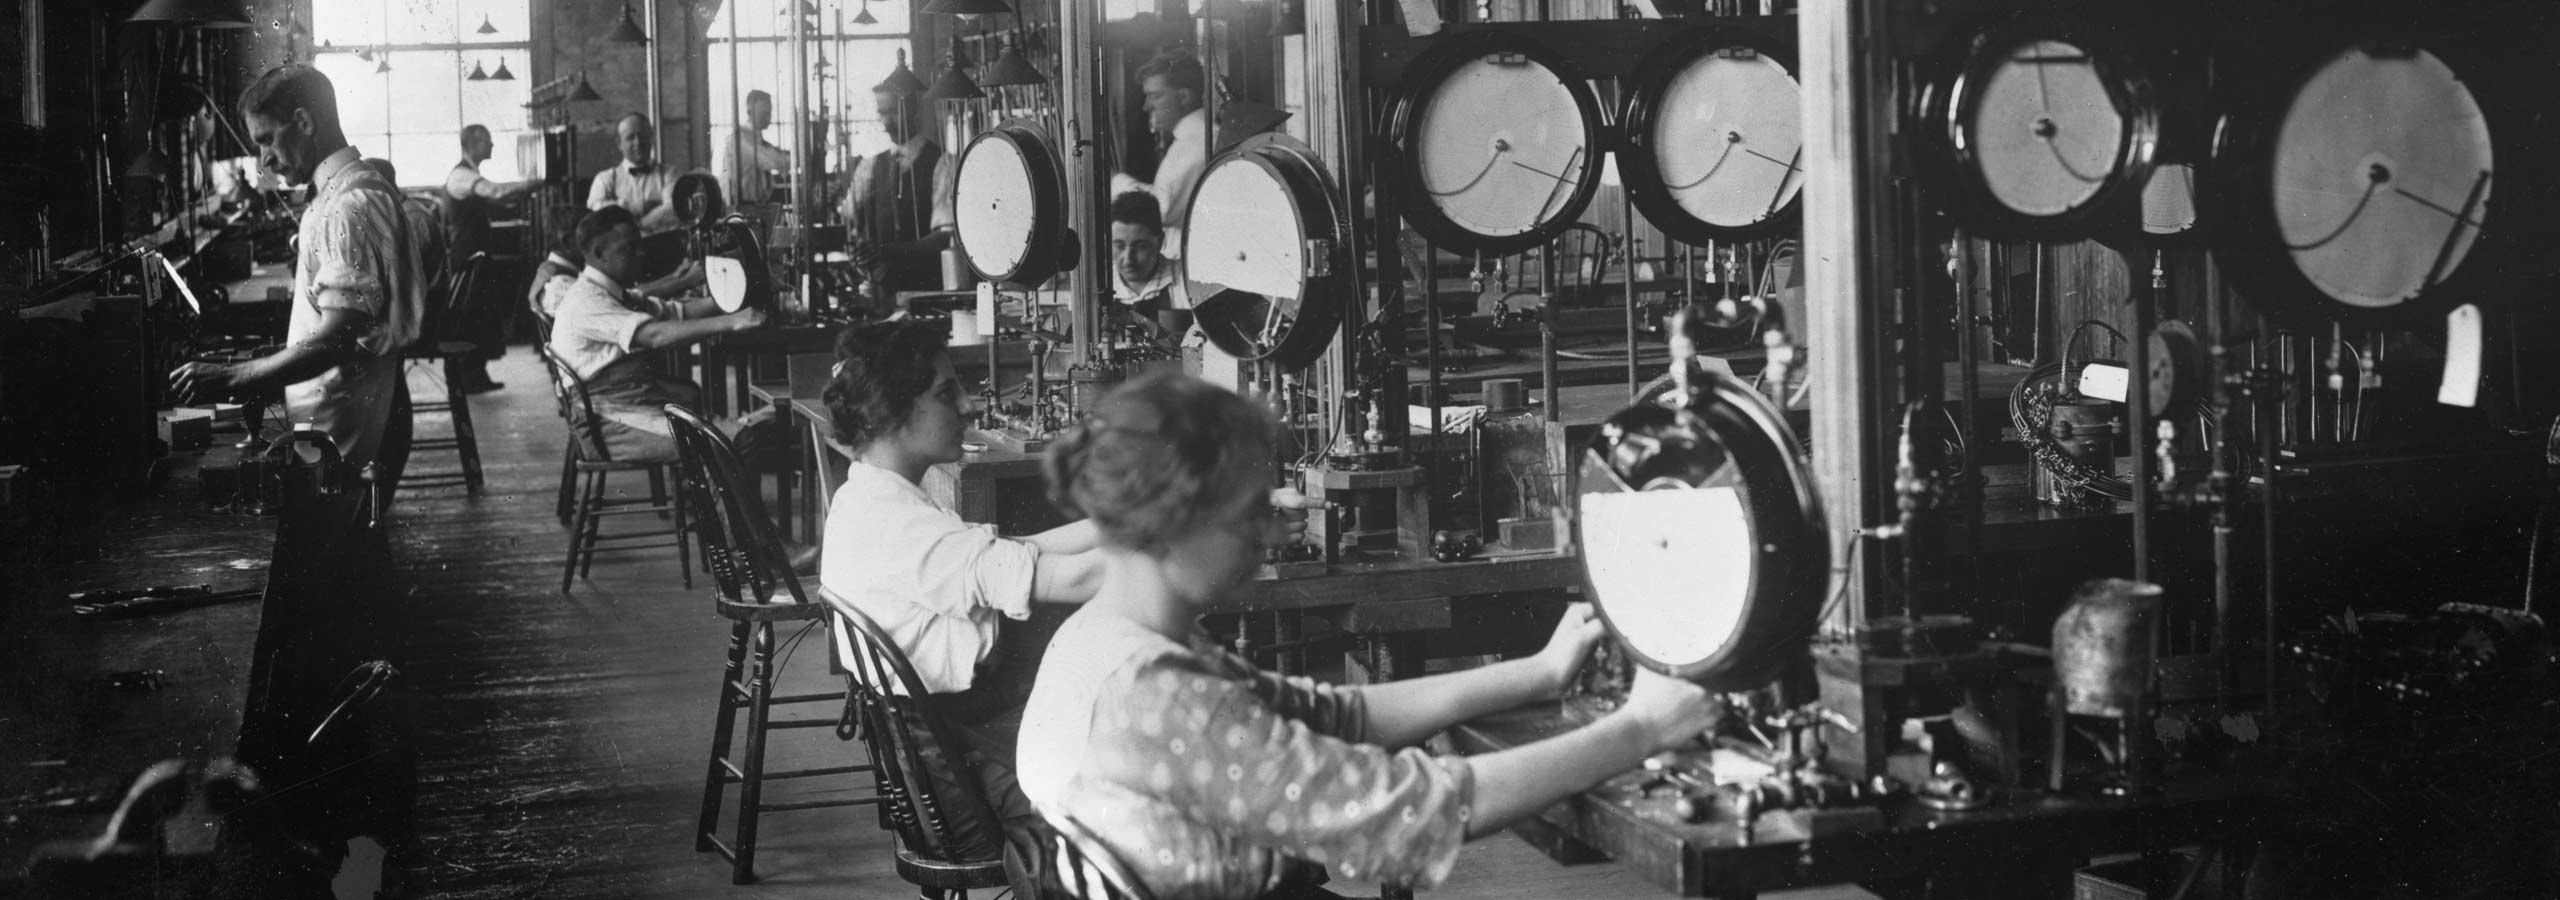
x=356 y=254
x=935 y=584
x=638 y=192
x=1179 y=173
x=751 y=183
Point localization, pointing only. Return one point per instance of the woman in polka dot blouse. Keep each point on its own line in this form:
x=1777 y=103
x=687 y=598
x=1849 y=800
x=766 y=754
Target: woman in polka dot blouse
x=1213 y=779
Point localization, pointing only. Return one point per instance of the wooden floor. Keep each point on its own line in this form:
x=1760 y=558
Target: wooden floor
x=566 y=736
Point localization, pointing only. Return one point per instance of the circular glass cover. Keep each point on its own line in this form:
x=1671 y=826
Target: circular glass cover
x=1672 y=532
x=992 y=205
x=1731 y=135
x=2044 y=132
x=1244 y=254
x=2380 y=176
x=1501 y=145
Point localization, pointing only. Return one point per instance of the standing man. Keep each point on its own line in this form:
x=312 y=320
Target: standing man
x=1175 y=90
x=359 y=284
x=639 y=184
x=468 y=199
x=897 y=212
x=745 y=163
x=601 y=324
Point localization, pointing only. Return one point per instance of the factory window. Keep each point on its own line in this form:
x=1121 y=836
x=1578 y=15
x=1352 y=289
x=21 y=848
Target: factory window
x=750 y=49
x=403 y=73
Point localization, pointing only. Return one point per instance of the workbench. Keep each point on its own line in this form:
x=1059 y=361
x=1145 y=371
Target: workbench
x=2025 y=846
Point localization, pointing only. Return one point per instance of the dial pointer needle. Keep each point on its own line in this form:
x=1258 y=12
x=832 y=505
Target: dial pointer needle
x=2444 y=253
x=1781 y=193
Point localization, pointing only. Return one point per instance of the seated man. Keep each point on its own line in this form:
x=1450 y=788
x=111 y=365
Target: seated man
x=599 y=324
x=1145 y=289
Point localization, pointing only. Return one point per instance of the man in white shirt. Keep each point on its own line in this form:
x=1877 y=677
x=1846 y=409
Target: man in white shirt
x=639 y=183
x=358 y=287
x=599 y=324
x=897 y=210
x=745 y=163
x=468 y=201
x=1175 y=92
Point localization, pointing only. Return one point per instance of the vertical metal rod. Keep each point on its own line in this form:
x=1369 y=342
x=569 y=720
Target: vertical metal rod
x=799 y=192
x=2219 y=482
x=1547 y=332
x=1969 y=378
x=2138 y=412
x=1627 y=277
x=2267 y=548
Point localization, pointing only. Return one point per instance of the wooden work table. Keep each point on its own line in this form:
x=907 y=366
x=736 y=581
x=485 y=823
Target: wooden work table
x=2029 y=834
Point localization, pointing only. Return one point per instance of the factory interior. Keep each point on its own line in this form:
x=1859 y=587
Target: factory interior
x=1173 y=449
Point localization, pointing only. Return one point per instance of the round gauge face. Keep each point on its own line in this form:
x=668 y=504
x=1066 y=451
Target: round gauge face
x=1673 y=563
x=2169 y=200
x=1731 y=138
x=1244 y=254
x=1502 y=145
x=2044 y=133
x=2380 y=176
x=992 y=205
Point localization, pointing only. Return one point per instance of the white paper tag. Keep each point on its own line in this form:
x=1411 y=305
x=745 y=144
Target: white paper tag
x=2461 y=385
x=1421 y=17
x=986 y=309
x=2105 y=381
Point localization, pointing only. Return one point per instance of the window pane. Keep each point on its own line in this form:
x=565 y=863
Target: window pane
x=418 y=21
x=497 y=104
x=360 y=100
x=426 y=89
x=511 y=18
x=423 y=159
x=346 y=24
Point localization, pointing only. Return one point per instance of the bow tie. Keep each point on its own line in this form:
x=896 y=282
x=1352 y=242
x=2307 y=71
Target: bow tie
x=642 y=170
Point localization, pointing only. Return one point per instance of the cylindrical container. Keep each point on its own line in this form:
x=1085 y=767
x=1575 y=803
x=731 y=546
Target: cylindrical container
x=1514 y=475
x=2102 y=646
x=2085 y=432
x=964 y=328
x=955 y=271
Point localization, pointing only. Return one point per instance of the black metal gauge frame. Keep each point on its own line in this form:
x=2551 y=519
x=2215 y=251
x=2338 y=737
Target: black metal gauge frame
x=1423 y=79
x=1641 y=155
x=1728 y=436
x=1289 y=331
x=1044 y=232
x=2512 y=228
x=1951 y=155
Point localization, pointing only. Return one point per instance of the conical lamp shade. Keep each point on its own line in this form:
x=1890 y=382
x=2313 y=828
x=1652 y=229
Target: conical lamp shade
x=365 y=54
x=193 y=13
x=968 y=7
x=1011 y=68
x=383 y=65
x=477 y=73
x=485 y=27
x=1240 y=119
x=502 y=74
x=584 y=90
x=865 y=17
x=901 y=80
x=628 y=31
x=954 y=85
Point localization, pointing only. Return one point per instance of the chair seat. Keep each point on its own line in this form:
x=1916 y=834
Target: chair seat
x=960 y=876
x=769 y=612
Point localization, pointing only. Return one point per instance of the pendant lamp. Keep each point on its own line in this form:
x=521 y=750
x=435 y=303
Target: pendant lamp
x=382 y=64
x=954 y=83
x=901 y=80
x=502 y=74
x=485 y=27
x=865 y=17
x=584 y=90
x=477 y=73
x=192 y=14
x=628 y=30
x=1012 y=68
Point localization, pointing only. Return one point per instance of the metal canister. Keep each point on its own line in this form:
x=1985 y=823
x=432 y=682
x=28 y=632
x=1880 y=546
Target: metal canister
x=1088 y=382
x=2102 y=646
x=2085 y=432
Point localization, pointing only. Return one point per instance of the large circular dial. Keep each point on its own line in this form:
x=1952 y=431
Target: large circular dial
x=2380 y=176
x=1702 y=536
x=2044 y=128
x=1715 y=137
x=1497 y=142
x=2361 y=181
x=1008 y=205
x=1266 y=252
